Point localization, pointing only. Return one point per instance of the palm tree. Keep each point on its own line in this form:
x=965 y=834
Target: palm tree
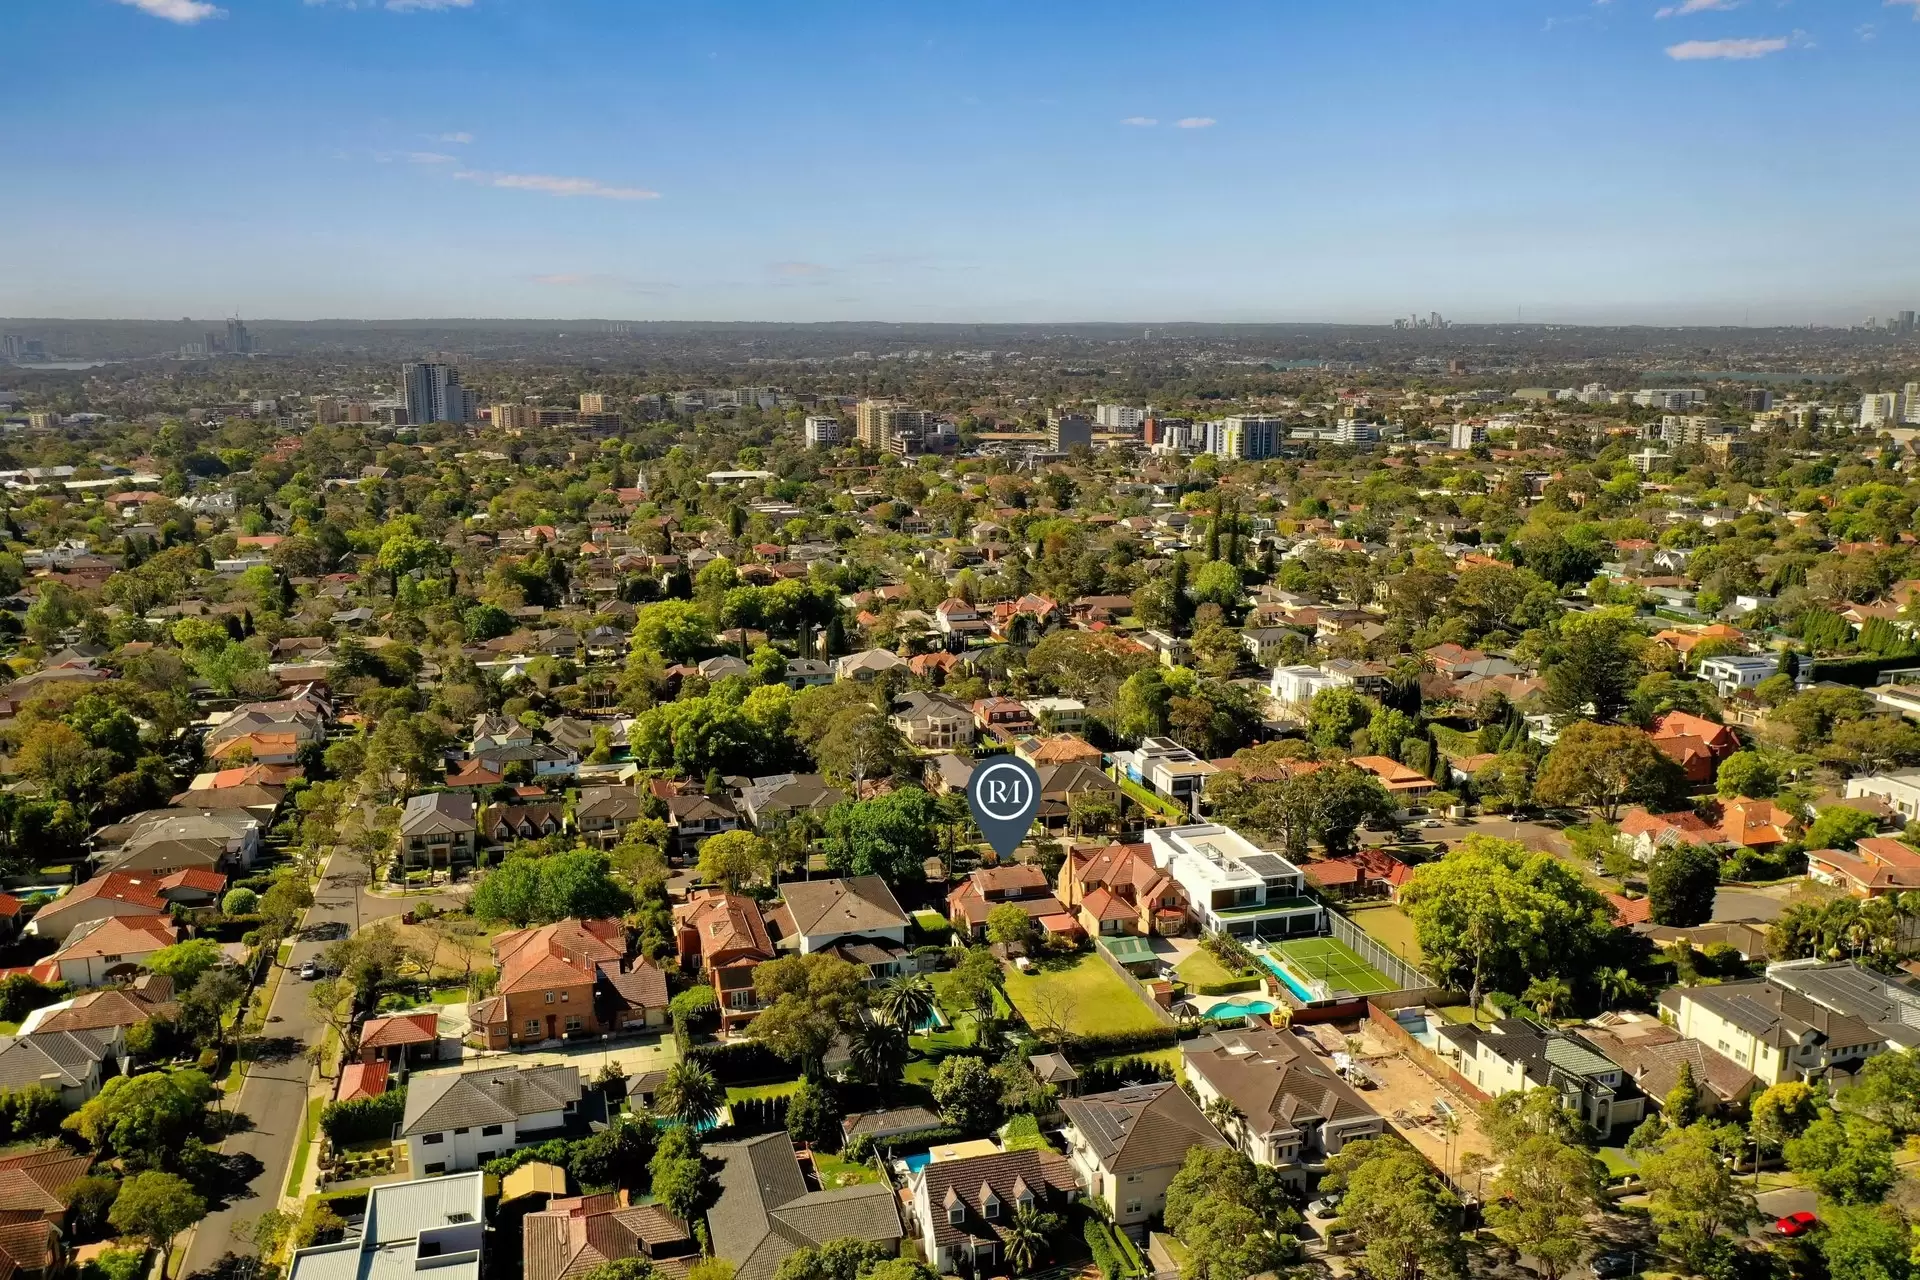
x=1224 y=1116
x=906 y=1001
x=691 y=1094
x=1547 y=995
x=1025 y=1238
x=1617 y=986
x=878 y=1052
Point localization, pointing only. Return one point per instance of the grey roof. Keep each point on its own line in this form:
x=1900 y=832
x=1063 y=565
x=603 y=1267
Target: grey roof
x=1275 y=1081
x=441 y=1100
x=765 y=1211
x=785 y=792
x=58 y=1059
x=1142 y=1127
x=1774 y=1014
x=397 y=1215
x=437 y=811
x=1891 y=1006
x=854 y=904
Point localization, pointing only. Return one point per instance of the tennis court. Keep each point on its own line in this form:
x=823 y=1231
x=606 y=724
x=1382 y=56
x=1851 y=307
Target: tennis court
x=1324 y=969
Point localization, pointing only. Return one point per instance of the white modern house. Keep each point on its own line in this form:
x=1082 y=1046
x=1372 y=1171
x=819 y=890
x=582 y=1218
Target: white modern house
x=1900 y=789
x=1165 y=767
x=433 y=1225
x=1730 y=673
x=1298 y=686
x=1233 y=885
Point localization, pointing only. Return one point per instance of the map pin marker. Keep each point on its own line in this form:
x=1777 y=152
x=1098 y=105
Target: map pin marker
x=1004 y=795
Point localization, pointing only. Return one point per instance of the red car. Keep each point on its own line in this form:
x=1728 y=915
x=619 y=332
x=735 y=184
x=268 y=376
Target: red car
x=1797 y=1224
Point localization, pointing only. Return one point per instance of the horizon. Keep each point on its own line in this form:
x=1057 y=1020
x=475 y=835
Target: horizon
x=1710 y=163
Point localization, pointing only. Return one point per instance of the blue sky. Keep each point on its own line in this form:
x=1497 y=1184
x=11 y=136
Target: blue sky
x=1035 y=160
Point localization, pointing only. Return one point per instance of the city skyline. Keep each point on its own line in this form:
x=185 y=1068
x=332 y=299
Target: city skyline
x=1704 y=161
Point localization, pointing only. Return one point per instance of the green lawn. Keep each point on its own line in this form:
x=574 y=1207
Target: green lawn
x=1389 y=927
x=1084 y=994
x=1168 y=1058
x=310 y=1127
x=779 y=1089
x=450 y=995
x=1202 y=970
x=835 y=1172
x=1151 y=802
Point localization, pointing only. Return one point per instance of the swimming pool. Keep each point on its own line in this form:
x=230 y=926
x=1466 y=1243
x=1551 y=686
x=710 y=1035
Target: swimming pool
x=1280 y=971
x=916 y=1163
x=1239 y=1008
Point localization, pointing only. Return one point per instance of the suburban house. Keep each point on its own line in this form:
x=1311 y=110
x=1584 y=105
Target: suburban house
x=1127 y=1145
x=1515 y=1054
x=1295 y=1109
x=1890 y=1006
x=1652 y=1053
x=163 y=840
x=123 y=893
x=691 y=819
x=1900 y=789
x=1877 y=865
x=1061 y=784
x=1297 y=687
x=435 y=1225
x=766 y=1208
x=1644 y=835
x=1118 y=889
x=110 y=950
x=437 y=830
x=932 y=721
x=840 y=914
x=574 y=1235
x=400 y=1039
x=867 y=665
x=1771 y=1030
x=770 y=802
x=1168 y=769
x=506 y=823
x=723 y=936
x=74 y=1064
x=1012 y=884
x=603 y=814
x=1397 y=778
x=1059 y=715
x=106 y=1010
x=1003 y=718
x=1695 y=744
x=568 y=979
x=1730 y=673
x=36 y=1192
x=459 y=1120
x=1233 y=885
x=964 y=1205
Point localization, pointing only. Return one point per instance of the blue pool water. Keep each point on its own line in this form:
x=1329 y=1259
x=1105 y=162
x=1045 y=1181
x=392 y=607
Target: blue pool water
x=916 y=1163
x=1239 y=1008
x=1280 y=972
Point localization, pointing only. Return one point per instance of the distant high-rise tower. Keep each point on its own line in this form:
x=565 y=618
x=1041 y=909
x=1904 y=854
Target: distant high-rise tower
x=433 y=393
x=239 y=341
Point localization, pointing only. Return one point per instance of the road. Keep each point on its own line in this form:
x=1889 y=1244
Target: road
x=274 y=1094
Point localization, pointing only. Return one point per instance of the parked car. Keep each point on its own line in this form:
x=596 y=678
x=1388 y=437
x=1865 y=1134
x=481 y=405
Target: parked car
x=1327 y=1206
x=1433 y=822
x=1797 y=1224
x=309 y=971
x=1611 y=1266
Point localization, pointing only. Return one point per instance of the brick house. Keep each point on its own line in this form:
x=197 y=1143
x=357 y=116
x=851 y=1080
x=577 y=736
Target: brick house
x=569 y=979
x=724 y=936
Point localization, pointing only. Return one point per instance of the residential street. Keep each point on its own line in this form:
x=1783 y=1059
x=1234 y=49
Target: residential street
x=275 y=1091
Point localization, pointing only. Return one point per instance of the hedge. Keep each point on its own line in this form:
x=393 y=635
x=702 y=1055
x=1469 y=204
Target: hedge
x=1114 y=1044
x=1237 y=985
x=364 y=1119
x=740 y=1061
x=919 y=1140
x=759 y=1115
x=1100 y=1245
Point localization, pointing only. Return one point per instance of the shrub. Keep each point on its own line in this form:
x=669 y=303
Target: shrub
x=1022 y=1133
x=116 y=1264
x=240 y=902
x=363 y=1119
x=1100 y=1245
x=20 y=995
x=32 y=1112
x=740 y=1061
x=1113 y=1044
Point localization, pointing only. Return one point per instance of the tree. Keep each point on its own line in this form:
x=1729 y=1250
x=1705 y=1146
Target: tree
x=1887 y=1091
x=1493 y=912
x=157 y=1207
x=144 y=1120
x=58 y=758
x=1399 y=1209
x=239 y=902
x=975 y=984
x=1865 y=1243
x=1838 y=827
x=1781 y=1112
x=1596 y=669
x=1681 y=884
x=1231 y=1214
x=1010 y=925
x=527 y=889
x=1548 y=996
x=1024 y=1239
x=813 y=1117
x=1747 y=773
x=890 y=836
x=878 y=1051
x=967 y=1094
x=637 y=1267
x=203 y=1009
x=806 y=1001
x=1693 y=1194
x=1845 y=1158
x=1682 y=1103
x=735 y=859
x=906 y=1001
x=1336 y=715
x=847 y=1258
x=680 y=1180
x=674 y=630
x=691 y=1094
x=1542 y=1198
x=184 y=962
x=1604 y=766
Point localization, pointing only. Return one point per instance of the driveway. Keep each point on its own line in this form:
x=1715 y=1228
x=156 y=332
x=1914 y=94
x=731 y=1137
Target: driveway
x=633 y=1056
x=1775 y=1205
x=275 y=1092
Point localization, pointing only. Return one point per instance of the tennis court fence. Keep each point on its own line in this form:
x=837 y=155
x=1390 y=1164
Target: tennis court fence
x=1403 y=975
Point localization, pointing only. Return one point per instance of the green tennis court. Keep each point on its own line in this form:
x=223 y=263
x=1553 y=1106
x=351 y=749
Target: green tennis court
x=1330 y=966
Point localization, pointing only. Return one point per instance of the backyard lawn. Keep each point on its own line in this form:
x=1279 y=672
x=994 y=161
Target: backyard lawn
x=778 y=1089
x=1389 y=927
x=1168 y=1058
x=1082 y=994
x=835 y=1172
x=1202 y=970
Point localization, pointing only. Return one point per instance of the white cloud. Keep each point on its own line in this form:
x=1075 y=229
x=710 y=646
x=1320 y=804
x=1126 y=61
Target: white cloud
x=554 y=186
x=409 y=6
x=1686 y=7
x=1914 y=3
x=1737 y=50
x=1196 y=122
x=461 y=138
x=429 y=157
x=185 y=12
x=1147 y=122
